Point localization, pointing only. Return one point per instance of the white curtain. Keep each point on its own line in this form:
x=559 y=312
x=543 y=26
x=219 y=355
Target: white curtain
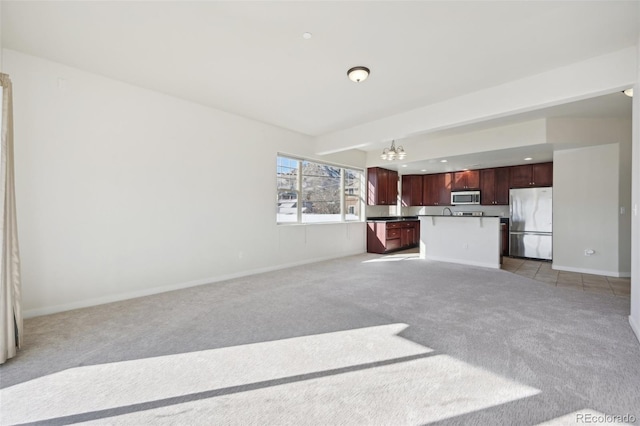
x=10 y=287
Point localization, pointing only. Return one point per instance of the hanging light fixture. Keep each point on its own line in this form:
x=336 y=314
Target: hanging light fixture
x=393 y=153
x=358 y=74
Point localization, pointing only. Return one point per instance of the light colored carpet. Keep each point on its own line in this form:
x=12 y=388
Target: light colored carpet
x=362 y=340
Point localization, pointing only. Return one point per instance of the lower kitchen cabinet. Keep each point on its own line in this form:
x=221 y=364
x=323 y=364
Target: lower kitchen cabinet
x=384 y=237
x=504 y=236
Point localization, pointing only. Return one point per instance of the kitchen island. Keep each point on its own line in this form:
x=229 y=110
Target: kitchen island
x=469 y=240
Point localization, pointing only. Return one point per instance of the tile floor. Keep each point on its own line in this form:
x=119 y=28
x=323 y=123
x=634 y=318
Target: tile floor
x=541 y=271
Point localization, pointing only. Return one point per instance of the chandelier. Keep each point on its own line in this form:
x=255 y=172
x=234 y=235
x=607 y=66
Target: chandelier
x=393 y=153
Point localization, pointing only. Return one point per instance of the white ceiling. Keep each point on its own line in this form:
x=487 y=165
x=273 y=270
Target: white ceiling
x=249 y=58
x=614 y=105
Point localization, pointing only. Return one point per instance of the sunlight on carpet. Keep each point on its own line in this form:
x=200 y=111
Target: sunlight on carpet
x=395 y=258
x=353 y=376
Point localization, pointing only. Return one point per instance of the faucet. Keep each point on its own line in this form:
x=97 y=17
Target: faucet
x=445 y=209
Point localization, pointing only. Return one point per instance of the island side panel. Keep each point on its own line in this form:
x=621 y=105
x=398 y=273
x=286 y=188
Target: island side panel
x=466 y=240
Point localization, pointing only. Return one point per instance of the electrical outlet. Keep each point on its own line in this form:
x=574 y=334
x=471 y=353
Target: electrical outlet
x=622 y=210
x=465 y=245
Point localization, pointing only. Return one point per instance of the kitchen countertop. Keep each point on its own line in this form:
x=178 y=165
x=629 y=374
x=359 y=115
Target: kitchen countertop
x=391 y=218
x=446 y=215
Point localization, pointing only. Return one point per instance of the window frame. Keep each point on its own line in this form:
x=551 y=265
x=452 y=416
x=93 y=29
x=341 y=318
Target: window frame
x=299 y=191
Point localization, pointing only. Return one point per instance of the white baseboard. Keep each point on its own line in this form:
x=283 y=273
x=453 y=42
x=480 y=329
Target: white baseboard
x=591 y=271
x=464 y=262
x=635 y=327
x=156 y=290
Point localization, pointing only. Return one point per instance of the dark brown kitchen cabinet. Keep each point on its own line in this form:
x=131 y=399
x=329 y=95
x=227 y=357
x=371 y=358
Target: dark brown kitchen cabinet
x=542 y=174
x=382 y=186
x=531 y=175
x=412 y=190
x=504 y=236
x=410 y=234
x=436 y=189
x=383 y=237
x=494 y=186
x=468 y=179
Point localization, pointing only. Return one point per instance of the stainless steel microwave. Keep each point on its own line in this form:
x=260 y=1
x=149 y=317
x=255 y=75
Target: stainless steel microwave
x=465 y=197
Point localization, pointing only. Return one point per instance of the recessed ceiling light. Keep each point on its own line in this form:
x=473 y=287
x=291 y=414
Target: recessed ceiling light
x=443 y=161
x=423 y=170
x=465 y=170
x=404 y=165
x=528 y=159
x=307 y=36
x=628 y=92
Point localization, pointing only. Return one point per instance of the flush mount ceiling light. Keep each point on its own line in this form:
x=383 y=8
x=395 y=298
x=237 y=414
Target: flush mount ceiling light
x=358 y=74
x=528 y=159
x=393 y=153
x=628 y=92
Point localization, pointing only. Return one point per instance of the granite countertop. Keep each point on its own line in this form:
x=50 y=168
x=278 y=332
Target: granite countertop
x=446 y=215
x=391 y=218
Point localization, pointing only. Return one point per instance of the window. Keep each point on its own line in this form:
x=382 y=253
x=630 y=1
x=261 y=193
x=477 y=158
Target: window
x=353 y=201
x=288 y=192
x=312 y=192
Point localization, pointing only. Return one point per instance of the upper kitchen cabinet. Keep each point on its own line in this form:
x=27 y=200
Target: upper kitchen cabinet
x=412 y=190
x=531 y=175
x=542 y=174
x=382 y=187
x=468 y=179
x=494 y=186
x=436 y=189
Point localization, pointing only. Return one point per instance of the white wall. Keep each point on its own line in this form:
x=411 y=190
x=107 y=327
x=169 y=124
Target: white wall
x=1 y=37
x=123 y=191
x=625 y=211
x=585 y=209
x=634 y=318
x=576 y=132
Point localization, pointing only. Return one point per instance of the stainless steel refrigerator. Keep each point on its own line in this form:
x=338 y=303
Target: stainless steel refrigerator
x=531 y=223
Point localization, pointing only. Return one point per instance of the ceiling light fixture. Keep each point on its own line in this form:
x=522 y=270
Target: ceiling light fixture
x=358 y=74
x=393 y=153
x=628 y=92
x=528 y=159
x=443 y=161
x=307 y=35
